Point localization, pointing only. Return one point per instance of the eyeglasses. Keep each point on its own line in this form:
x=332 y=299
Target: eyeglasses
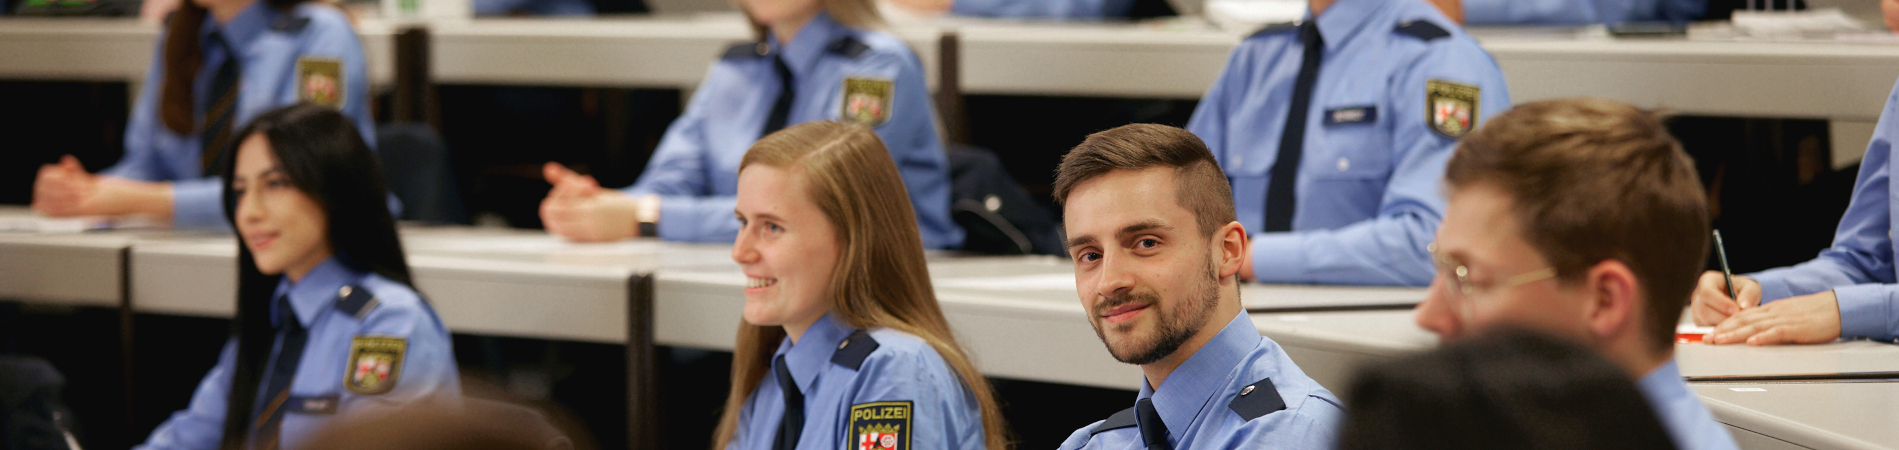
x=1461 y=291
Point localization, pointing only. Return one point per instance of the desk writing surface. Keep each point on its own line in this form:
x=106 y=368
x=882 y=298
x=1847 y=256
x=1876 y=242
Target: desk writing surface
x=629 y=51
x=1848 y=357
x=1812 y=415
x=121 y=49
x=1018 y=334
x=1053 y=279
x=71 y=269
x=1331 y=346
x=497 y=282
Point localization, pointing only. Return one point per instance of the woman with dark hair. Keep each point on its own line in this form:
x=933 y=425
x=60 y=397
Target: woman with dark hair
x=1506 y=389
x=328 y=321
x=843 y=344
x=218 y=64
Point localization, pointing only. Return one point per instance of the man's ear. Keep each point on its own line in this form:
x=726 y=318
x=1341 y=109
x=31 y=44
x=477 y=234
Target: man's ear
x=1230 y=241
x=1614 y=300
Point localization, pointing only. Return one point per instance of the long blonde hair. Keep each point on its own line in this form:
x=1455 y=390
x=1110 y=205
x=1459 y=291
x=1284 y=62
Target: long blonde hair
x=880 y=280
x=858 y=14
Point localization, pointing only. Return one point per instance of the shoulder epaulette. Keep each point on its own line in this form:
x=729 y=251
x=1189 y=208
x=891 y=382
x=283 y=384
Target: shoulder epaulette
x=848 y=46
x=1422 y=29
x=1273 y=28
x=355 y=301
x=745 y=50
x=1257 y=399
x=290 y=24
x=854 y=349
x=1122 y=419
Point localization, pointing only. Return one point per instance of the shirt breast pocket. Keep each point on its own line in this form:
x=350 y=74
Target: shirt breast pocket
x=1353 y=143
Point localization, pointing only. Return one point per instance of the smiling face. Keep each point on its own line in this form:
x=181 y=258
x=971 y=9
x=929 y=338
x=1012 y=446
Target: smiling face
x=286 y=231
x=1481 y=232
x=1144 y=271
x=787 y=248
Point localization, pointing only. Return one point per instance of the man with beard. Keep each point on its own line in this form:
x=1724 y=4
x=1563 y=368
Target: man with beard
x=1157 y=253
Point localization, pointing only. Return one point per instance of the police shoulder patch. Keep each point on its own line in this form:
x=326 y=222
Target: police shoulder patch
x=1273 y=28
x=355 y=301
x=855 y=348
x=1422 y=30
x=1257 y=399
x=867 y=100
x=320 y=81
x=745 y=50
x=375 y=362
x=1122 y=419
x=848 y=46
x=880 y=425
x=1450 y=108
x=290 y=24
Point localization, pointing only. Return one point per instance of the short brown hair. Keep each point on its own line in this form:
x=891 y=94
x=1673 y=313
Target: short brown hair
x=1595 y=180
x=1199 y=185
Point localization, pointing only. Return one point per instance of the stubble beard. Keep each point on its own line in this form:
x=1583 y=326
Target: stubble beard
x=1175 y=327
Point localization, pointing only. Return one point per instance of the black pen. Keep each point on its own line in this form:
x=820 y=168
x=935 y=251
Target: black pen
x=1726 y=273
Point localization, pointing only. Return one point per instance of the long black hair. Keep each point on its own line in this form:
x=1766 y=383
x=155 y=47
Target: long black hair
x=326 y=159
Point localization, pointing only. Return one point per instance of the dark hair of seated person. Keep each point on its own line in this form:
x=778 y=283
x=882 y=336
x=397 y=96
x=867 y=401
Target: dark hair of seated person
x=1505 y=389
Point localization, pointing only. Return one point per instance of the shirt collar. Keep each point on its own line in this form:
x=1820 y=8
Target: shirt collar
x=317 y=290
x=814 y=349
x=245 y=27
x=811 y=42
x=1209 y=371
x=1662 y=384
x=1345 y=18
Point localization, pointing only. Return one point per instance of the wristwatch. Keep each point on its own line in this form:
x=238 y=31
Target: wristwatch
x=646 y=210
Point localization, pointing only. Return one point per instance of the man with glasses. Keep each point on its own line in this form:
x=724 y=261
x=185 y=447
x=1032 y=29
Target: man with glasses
x=1584 y=219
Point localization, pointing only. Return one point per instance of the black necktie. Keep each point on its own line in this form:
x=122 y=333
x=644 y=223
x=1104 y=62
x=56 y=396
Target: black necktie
x=782 y=108
x=283 y=368
x=1280 y=198
x=1153 y=432
x=792 y=425
x=219 y=114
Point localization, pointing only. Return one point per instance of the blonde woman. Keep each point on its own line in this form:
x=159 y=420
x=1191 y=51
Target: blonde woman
x=843 y=345
x=814 y=60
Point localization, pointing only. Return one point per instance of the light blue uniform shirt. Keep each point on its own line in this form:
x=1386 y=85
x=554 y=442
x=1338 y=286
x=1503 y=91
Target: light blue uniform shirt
x=1858 y=268
x=1688 y=421
x=695 y=168
x=427 y=371
x=1576 y=12
x=899 y=367
x=269 y=41
x=1043 y=9
x=1198 y=400
x=1368 y=188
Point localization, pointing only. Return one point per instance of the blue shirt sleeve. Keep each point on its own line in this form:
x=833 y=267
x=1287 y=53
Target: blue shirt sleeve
x=678 y=174
x=329 y=35
x=1389 y=249
x=428 y=370
x=1042 y=9
x=911 y=138
x=201 y=424
x=139 y=160
x=1859 y=266
x=944 y=414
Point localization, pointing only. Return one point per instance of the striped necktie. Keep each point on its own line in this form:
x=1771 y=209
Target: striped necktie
x=268 y=422
x=222 y=111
